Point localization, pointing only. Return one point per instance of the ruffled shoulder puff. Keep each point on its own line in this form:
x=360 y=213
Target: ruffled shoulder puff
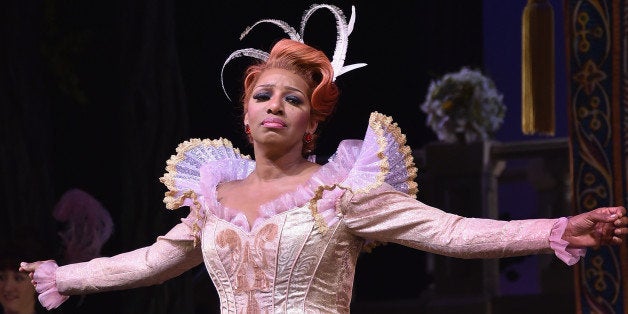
x=382 y=157
x=183 y=176
x=357 y=165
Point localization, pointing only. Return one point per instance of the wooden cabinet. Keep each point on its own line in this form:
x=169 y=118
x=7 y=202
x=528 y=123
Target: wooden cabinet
x=467 y=179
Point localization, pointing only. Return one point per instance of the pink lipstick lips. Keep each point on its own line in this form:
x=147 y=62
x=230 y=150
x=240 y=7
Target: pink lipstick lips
x=274 y=123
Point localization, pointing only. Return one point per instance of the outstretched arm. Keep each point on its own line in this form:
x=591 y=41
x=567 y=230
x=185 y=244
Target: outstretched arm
x=169 y=256
x=601 y=226
x=390 y=216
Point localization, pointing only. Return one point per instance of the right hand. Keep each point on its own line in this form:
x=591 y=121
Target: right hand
x=601 y=226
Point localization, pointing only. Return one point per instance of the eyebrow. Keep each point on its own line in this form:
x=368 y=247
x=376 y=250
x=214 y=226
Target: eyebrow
x=287 y=87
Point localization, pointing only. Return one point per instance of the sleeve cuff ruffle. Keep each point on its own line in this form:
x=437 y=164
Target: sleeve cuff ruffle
x=568 y=255
x=46 y=285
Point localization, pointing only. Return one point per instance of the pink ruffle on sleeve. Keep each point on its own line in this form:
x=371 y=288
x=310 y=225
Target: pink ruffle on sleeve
x=568 y=255
x=46 y=286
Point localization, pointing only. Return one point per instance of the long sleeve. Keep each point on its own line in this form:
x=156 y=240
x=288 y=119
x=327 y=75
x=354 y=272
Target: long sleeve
x=170 y=256
x=390 y=216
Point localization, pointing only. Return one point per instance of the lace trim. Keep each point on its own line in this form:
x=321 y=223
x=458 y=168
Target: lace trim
x=321 y=225
x=383 y=124
x=184 y=166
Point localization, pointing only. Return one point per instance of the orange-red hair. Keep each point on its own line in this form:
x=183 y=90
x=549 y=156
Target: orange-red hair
x=309 y=63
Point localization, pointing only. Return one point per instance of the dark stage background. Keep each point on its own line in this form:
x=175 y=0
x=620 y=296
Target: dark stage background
x=96 y=95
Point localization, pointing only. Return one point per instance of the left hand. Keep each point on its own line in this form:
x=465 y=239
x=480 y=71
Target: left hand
x=601 y=226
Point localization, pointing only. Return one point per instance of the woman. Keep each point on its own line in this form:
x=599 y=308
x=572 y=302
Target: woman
x=17 y=294
x=282 y=233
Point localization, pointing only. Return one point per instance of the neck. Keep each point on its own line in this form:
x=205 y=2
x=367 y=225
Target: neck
x=272 y=162
x=267 y=169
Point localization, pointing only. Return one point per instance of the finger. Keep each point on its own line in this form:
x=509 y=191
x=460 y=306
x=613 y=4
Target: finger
x=603 y=215
x=621 y=222
x=25 y=267
x=616 y=241
x=620 y=211
x=29 y=267
x=621 y=231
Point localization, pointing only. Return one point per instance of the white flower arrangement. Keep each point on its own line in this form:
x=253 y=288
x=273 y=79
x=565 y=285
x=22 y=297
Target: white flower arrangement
x=464 y=105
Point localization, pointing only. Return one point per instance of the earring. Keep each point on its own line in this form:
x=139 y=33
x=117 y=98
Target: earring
x=247 y=129
x=307 y=137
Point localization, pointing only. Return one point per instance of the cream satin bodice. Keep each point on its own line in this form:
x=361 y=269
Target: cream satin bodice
x=282 y=265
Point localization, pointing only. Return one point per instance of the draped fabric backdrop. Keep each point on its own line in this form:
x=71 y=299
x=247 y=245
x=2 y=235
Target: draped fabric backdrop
x=25 y=123
x=596 y=33
x=92 y=100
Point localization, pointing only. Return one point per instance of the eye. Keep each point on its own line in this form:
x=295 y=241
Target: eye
x=20 y=277
x=261 y=96
x=295 y=100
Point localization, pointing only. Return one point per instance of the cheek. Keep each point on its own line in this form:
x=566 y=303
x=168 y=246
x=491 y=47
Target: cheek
x=306 y=123
x=303 y=118
x=28 y=288
x=254 y=110
x=24 y=287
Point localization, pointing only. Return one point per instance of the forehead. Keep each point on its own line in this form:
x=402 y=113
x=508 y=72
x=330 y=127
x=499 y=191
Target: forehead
x=11 y=272
x=282 y=78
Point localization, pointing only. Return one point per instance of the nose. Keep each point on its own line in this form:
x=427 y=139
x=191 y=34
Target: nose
x=275 y=106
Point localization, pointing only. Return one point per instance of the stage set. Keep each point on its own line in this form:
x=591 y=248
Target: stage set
x=96 y=95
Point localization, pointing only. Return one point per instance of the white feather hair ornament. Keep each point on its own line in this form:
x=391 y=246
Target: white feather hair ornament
x=343 y=29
